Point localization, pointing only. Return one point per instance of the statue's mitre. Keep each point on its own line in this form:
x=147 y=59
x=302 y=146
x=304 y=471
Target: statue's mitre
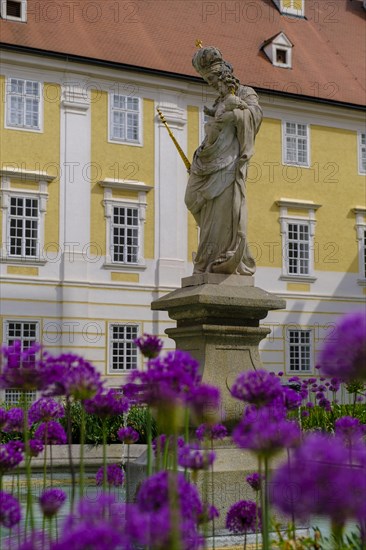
x=207 y=59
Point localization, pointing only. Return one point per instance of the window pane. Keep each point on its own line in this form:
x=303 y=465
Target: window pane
x=123 y=350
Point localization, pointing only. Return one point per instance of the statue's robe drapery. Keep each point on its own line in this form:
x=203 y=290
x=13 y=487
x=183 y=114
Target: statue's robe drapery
x=216 y=192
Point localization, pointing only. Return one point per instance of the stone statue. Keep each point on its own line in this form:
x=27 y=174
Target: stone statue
x=216 y=191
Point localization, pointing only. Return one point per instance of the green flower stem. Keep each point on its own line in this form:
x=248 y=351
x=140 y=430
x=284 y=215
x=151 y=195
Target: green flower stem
x=213 y=499
x=82 y=442
x=337 y=532
x=69 y=447
x=45 y=459
x=149 y=443
x=104 y=434
x=127 y=475
x=28 y=464
x=256 y=517
x=266 y=518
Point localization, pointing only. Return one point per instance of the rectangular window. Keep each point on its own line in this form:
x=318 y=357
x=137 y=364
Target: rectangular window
x=23 y=227
x=296 y=143
x=123 y=352
x=125 y=118
x=299 y=350
x=298 y=249
x=125 y=235
x=27 y=332
x=13 y=396
x=362 y=153
x=23 y=104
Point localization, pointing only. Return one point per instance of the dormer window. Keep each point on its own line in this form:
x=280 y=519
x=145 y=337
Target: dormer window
x=291 y=7
x=278 y=49
x=14 y=10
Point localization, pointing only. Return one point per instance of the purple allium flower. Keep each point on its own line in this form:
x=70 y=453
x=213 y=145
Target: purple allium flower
x=107 y=404
x=44 y=410
x=217 y=431
x=280 y=373
x=10 y=511
x=204 y=401
x=22 y=368
x=349 y=429
x=195 y=459
x=10 y=455
x=310 y=405
x=257 y=387
x=51 y=501
x=243 y=517
x=15 y=421
x=168 y=380
x=292 y=399
x=128 y=435
x=71 y=375
x=3 y=418
x=209 y=513
x=344 y=356
x=115 y=475
x=96 y=523
x=149 y=345
x=35 y=447
x=265 y=431
x=305 y=414
x=171 y=441
x=320 y=481
x=254 y=480
x=51 y=433
x=325 y=404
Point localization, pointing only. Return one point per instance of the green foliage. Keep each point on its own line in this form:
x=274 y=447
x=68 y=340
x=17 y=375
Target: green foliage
x=315 y=541
x=320 y=419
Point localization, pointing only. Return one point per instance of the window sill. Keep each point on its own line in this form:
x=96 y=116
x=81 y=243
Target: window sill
x=296 y=164
x=24 y=129
x=121 y=142
x=361 y=282
x=22 y=261
x=124 y=267
x=298 y=278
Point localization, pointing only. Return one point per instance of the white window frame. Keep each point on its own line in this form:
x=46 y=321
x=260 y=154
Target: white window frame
x=111 y=109
x=140 y=204
x=287 y=162
x=300 y=346
x=362 y=153
x=7 y=193
x=23 y=11
x=23 y=127
x=361 y=243
x=279 y=42
x=132 y=348
x=32 y=395
x=23 y=218
x=285 y=220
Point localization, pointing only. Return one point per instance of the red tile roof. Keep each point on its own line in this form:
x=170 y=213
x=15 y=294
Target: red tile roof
x=329 y=55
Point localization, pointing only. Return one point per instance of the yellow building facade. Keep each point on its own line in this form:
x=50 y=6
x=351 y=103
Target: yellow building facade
x=94 y=227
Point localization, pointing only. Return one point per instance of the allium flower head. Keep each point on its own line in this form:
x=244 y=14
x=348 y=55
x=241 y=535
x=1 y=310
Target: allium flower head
x=243 y=517
x=51 y=501
x=44 y=410
x=71 y=375
x=257 y=387
x=128 y=435
x=149 y=345
x=349 y=429
x=51 y=433
x=254 y=480
x=115 y=475
x=22 y=369
x=35 y=447
x=193 y=458
x=10 y=456
x=15 y=420
x=320 y=481
x=215 y=431
x=10 y=511
x=96 y=524
x=292 y=399
x=344 y=356
x=105 y=404
x=265 y=431
x=168 y=379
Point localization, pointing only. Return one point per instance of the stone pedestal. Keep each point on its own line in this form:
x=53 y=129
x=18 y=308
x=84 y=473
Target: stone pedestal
x=218 y=323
